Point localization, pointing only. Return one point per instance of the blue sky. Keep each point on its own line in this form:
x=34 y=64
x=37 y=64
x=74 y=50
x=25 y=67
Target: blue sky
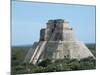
x=29 y=17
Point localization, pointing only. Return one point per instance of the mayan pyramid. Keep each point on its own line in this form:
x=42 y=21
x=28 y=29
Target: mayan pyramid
x=57 y=41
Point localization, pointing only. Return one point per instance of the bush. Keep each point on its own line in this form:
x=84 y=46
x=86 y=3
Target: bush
x=44 y=63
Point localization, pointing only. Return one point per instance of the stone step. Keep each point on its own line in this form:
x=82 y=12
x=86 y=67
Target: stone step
x=38 y=52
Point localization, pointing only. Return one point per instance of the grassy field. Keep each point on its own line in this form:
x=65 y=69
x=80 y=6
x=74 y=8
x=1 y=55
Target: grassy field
x=18 y=67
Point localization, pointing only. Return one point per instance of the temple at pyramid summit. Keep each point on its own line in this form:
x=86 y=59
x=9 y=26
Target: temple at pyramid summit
x=57 y=41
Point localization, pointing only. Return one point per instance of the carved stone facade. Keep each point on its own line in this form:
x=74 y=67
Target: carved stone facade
x=57 y=41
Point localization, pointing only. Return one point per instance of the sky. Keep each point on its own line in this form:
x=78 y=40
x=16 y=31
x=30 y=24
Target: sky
x=29 y=17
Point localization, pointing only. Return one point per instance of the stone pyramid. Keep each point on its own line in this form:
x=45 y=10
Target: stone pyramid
x=57 y=41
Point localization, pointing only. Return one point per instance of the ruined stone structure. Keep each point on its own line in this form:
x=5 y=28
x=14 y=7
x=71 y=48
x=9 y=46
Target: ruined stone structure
x=57 y=41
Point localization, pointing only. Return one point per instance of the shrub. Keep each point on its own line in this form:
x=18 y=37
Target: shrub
x=44 y=63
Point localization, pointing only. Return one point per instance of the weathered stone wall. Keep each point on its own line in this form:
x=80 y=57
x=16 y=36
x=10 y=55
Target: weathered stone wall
x=51 y=48
x=58 y=41
x=42 y=34
x=68 y=35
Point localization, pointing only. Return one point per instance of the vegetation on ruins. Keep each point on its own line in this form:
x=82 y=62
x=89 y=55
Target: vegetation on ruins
x=18 y=67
